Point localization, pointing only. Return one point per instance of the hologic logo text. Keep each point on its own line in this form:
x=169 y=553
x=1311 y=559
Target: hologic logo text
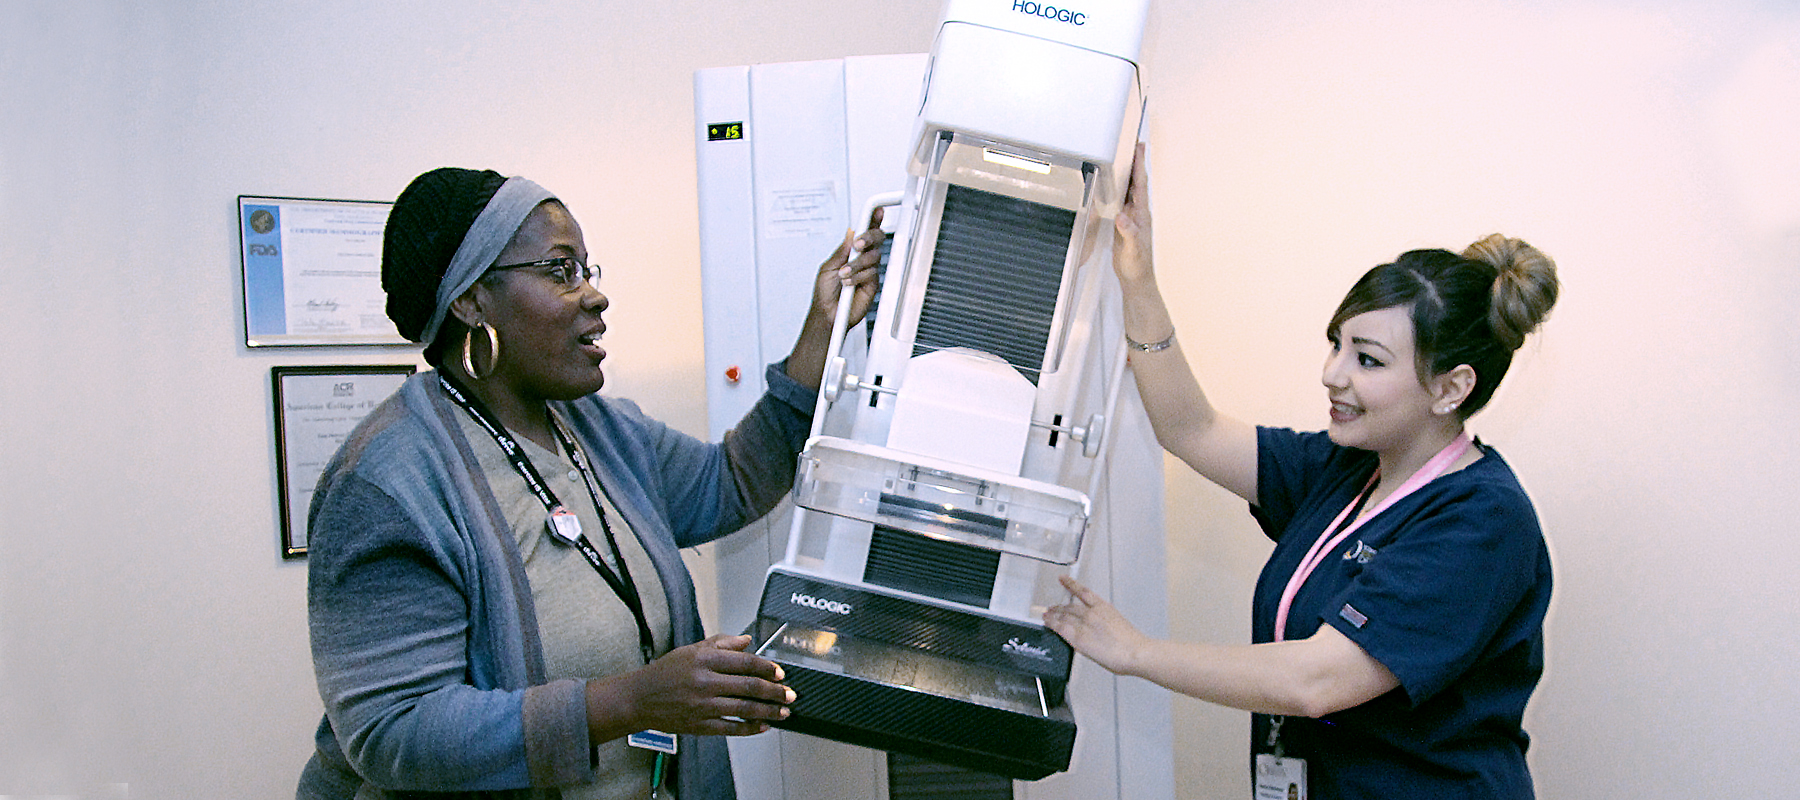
x=831 y=606
x=1049 y=12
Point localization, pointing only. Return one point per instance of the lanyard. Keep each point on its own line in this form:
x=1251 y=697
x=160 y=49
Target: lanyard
x=1328 y=541
x=562 y=523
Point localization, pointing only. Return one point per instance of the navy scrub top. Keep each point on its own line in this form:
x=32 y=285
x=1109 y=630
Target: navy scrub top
x=1447 y=588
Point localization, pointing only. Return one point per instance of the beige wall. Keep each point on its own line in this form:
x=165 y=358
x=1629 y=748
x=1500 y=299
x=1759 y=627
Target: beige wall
x=153 y=644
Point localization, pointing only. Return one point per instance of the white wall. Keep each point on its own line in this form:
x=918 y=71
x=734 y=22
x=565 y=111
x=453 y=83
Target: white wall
x=152 y=642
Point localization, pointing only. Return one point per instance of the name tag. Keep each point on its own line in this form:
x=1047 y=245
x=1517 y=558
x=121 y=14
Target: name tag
x=1280 y=778
x=653 y=740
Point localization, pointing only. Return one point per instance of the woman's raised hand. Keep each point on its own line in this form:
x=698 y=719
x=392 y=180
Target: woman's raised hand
x=1131 y=230
x=853 y=264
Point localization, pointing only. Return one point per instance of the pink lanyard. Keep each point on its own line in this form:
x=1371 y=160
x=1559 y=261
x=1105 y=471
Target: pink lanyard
x=1328 y=542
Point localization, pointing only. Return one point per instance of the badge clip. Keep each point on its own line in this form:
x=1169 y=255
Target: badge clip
x=564 y=524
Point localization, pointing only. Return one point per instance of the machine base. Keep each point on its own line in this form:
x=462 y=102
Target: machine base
x=911 y=697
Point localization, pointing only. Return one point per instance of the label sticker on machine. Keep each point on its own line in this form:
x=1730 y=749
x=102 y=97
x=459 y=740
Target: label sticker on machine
x=796 y=211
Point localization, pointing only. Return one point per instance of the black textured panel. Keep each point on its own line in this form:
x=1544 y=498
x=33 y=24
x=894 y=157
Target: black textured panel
x=914 y=778
x=960 y=573
x=995 y=277
x=863 y=612
x=942 y=728
x=881 y=268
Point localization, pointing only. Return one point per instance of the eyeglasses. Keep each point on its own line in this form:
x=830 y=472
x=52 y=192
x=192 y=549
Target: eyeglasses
x=566 y=272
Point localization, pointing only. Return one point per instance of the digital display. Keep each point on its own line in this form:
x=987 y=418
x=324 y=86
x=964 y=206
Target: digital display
x=724 y=131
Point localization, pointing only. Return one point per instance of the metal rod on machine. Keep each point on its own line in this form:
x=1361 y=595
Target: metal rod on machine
x=1112 y=401
x=832 y=382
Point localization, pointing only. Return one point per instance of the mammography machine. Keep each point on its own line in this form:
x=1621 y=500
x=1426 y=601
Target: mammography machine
x=962 y=445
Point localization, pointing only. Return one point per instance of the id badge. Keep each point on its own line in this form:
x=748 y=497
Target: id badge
x=665 y=745
x=653 y=740
x=1280 y=778
x=564 y=524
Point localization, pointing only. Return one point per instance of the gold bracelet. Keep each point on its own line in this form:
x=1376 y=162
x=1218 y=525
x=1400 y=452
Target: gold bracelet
x=1151 y=347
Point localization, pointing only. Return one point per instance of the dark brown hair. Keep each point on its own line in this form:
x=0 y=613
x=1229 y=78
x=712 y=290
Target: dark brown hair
x=1475 y=308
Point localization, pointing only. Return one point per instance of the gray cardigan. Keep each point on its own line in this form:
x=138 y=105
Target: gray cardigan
x=424 y=637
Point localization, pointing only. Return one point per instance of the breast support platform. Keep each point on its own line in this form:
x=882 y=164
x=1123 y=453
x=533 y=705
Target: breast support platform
x=959 y=436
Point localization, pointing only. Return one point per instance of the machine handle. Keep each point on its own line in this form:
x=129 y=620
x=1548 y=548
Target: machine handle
x=834 y=379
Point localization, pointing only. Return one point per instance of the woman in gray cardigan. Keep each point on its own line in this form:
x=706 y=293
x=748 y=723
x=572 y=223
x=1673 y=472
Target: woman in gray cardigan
x=497 y=600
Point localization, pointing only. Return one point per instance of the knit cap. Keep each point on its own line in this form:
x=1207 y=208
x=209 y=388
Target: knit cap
x=424 y=229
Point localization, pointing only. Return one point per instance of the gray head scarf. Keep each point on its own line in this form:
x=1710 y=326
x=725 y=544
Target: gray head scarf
x=492 y=230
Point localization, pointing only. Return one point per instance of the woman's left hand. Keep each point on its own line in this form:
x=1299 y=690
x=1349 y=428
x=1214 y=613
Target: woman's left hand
x=1096 y=629
x=854 y=264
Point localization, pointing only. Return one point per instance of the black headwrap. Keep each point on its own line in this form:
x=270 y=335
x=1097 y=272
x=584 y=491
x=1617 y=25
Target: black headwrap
x=427 y=224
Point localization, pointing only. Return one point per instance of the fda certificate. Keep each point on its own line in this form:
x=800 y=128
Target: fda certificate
x=312 y=272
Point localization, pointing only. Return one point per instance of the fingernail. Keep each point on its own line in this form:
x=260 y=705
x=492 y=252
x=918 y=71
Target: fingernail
x=790 y=697
x=785 y=712
x=780 y=674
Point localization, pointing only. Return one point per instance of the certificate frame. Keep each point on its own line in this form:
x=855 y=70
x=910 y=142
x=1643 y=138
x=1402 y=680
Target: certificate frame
x=315 y=408
x=311 y=272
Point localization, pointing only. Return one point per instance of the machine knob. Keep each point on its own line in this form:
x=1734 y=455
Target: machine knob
x=733 y=375
x=1093 y=435
x=832 y=381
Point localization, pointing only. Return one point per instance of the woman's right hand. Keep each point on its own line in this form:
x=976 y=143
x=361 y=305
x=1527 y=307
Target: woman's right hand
x=710 y=688
x=1096 y=629
x=1131 y=230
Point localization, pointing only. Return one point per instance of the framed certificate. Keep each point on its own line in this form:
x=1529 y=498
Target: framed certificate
x=312 y=272
x=315 y=408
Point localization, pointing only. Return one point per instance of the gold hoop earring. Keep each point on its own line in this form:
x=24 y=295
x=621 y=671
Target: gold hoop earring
x=468 y=355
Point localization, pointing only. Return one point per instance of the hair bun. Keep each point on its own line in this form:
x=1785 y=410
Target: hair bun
x=1525 y=287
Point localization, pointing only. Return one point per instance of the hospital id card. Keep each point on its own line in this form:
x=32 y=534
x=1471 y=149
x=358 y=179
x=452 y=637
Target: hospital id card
x=1280 y=778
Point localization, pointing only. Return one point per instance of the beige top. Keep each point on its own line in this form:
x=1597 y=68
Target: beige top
x=586 y=630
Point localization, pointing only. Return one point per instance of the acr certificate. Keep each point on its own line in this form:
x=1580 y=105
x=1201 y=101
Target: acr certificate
x=315 y=408
x=312 y=272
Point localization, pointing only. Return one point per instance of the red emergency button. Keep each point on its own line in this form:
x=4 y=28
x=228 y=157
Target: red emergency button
x=733 y=374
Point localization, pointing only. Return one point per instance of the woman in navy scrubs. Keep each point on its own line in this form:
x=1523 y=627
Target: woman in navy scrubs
x=1398 y=624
